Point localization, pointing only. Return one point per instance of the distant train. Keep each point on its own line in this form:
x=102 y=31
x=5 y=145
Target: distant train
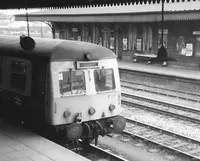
x=70 y=86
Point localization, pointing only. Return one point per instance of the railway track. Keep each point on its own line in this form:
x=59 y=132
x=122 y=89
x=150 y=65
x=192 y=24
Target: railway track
x=177 y=111
x=90 y=151
x=189 y=96
x=95 y=153
x=175 y=142
x=163 y=138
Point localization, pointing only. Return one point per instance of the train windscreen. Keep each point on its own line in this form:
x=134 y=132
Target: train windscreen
x=72 y=82
x=104 y=80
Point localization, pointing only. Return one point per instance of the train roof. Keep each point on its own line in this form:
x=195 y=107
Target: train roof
x=55 y=49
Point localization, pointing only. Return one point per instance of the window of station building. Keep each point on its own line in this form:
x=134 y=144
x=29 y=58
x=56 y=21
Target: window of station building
x=18 y=74
x=111 y=40
x=87 y=33
x=147 y=38
x=75 y=33
x=165 y=34
x=197 y=46
x=105 y=36
x=104 y=80
x=61 y=34
x=130 y=37
x=97 y=35
x=72 y=82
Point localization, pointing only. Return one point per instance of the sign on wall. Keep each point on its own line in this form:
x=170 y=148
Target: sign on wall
x=74 y=30
x=189 y=49
x=139 y=44
x=125 y=44
x=181 y=45
x=196 y=32
x=112 y=42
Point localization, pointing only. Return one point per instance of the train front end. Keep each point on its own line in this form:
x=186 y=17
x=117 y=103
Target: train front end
x=86 y=98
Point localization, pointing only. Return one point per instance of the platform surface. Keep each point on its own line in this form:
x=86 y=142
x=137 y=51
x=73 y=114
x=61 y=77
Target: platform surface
x=19 y=144
x=158 y=69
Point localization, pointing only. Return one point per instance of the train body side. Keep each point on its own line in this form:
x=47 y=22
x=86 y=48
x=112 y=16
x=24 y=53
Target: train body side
x=22 y=88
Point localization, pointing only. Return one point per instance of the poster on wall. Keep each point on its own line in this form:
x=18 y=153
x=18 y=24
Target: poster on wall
x=112 y=43
x=125 y=44
x=79 y=38
x=181 y=45
x=197 y=52
x=189 y=49
x=139 y=44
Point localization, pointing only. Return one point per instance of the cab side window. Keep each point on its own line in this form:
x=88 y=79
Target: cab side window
x=18 y=74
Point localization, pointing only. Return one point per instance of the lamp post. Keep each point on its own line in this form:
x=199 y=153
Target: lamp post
x=162 y=22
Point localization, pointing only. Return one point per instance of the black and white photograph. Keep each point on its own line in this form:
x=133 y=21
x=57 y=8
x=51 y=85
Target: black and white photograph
x=100 y=80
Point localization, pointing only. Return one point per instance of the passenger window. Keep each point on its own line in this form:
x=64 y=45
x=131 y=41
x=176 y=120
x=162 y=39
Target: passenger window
x=18 y=74
x=104 y=80
x=72 y=82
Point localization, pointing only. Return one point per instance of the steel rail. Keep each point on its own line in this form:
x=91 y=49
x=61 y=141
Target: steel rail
x=107 y=153
x=160 y=76
x=165 y=103
x=166 y=132
x=166 y=89
x=162 y=92
x=161 y=111
x=95 y=151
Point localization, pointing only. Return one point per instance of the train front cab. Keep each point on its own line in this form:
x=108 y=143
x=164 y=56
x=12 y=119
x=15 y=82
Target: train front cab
x=86 y=98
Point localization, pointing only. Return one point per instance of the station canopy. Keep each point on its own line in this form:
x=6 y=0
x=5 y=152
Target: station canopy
x=21 y=4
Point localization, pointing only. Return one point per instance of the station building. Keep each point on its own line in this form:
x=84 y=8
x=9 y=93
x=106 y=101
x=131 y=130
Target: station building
x=131 y=29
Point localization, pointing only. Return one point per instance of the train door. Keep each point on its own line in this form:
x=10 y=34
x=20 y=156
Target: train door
x=39 y=89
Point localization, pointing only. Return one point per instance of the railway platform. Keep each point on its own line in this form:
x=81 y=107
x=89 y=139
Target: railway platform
x=19 y=144
x=158 y=69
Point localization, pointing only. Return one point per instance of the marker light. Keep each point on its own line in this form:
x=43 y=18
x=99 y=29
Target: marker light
x=111 y=107
x=92 y=111
x=87 y=56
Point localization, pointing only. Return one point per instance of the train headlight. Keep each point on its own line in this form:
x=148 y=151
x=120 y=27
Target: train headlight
x=91 y=111
x=111 y=107
x=67 y=113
